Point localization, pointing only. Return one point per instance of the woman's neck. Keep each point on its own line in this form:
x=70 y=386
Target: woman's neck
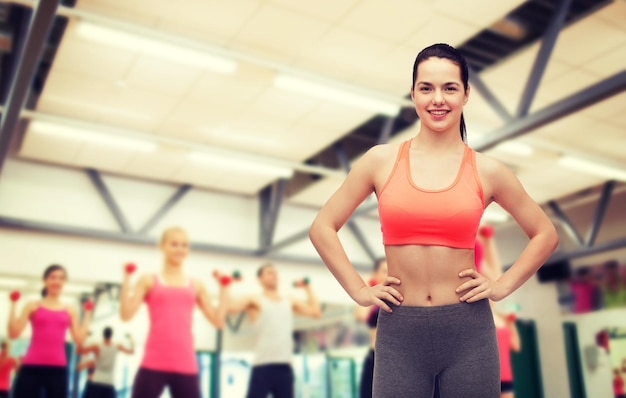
x=437 y=140
x=172 y=269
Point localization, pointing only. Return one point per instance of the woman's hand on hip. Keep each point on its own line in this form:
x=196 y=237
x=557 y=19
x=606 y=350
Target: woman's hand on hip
x=380 y=294
x=479 y=287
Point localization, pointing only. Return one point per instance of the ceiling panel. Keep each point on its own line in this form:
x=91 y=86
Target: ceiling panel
x=481 y=12
x=440 y=28
x=50 y=149
x=280 y=29
x=161 y=76
x=329 y=10
x=394 y=23
x=577 y=46
x=215 y=20
x=342 y=52
x=222 y=179
x=390 y=72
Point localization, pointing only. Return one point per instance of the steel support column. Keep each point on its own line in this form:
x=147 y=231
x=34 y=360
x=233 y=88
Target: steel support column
x=566 y=223
x=543 y=56
x=104 y=192
x=167 y=206
x=477 y=83
x=603 y=203
x=385 y=132
x=342 y=156
x=38 y=31
x=270 y=200
x=360 y=237
x=597 y=92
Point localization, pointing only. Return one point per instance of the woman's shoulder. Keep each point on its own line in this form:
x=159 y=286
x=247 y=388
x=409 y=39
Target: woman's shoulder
x=491 y=166
x=381 y=153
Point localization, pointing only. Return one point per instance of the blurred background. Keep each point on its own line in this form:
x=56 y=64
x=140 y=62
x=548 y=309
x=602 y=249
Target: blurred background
x=237 y=119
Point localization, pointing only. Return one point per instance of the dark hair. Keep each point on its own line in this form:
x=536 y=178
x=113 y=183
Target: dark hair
x=259 y=272
x=4 y=345
x=441 y=50
x=108 y=332
x=46 y=273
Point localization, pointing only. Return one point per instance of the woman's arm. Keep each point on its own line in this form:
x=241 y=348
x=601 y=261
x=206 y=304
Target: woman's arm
x=78 y=329
x=215 y=315
x=16 y=324
x=130 y=303
x=516 y=342
x=83 y=350
x=508 y=192
x=324 y=234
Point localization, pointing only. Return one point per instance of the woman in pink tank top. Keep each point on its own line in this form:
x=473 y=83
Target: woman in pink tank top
x=7 y=365
x=44 y=366
x=169 y=357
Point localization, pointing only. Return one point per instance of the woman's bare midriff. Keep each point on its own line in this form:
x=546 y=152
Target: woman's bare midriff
x=429 y=275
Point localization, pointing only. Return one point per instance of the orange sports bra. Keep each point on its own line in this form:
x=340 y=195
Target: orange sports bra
x=410 y=215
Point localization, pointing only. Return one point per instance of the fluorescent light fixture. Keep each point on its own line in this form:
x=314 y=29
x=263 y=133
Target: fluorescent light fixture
x=516 y=148
x=112 y=140
x=12 y=282
x=593 y=168
x=333 y=94
x=153 y=47
x=240 y=164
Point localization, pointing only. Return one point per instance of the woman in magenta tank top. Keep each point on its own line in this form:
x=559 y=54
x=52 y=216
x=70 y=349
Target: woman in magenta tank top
x=7 y=365
x=169 y=357
x=44 y=366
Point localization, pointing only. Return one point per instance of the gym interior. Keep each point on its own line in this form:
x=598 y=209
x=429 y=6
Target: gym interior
x=237 y=120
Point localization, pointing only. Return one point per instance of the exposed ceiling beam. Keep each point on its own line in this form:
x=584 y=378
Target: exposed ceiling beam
x=40 y=26
x=595 y=93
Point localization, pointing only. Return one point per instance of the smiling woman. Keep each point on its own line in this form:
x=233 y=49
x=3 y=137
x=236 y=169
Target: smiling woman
x=435 y=322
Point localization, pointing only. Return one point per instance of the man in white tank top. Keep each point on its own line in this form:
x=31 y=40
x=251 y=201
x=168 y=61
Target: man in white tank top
x=102 y=383
x=272 y=319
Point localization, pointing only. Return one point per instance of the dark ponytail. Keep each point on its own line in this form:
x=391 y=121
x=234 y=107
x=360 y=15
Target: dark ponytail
x=50 y=269
x=446 y=51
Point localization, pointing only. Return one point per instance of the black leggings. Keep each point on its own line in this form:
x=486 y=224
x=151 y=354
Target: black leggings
x=275 y=379
x=32 y=380
x=99 y=390
x=454 y=344
x=4 y=394
x=367 y=376
x=151 y=383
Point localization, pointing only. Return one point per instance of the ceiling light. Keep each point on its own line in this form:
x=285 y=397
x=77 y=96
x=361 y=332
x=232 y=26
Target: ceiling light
x=593 y=168
x=321 y=91
x=65 y=131
x=12 y=282
x=155 y=48
x=240 y=164
x=515 y=148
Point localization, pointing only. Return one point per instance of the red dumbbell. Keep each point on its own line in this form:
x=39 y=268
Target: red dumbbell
x=486 y=231
x=88 y=305
x=511 y=317
x=15 y=295
x=302 y=282
x=223 y=279
x=372 y=282
x=130 y=268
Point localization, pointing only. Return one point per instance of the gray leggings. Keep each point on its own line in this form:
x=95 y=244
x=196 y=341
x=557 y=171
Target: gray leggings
x=454 y=343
